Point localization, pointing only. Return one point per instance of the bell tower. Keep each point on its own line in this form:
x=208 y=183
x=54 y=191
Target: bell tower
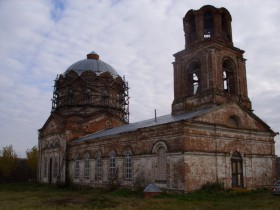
x=210 y=70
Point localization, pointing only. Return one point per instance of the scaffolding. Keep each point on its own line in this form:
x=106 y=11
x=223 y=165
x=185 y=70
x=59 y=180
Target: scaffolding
x=102 y=92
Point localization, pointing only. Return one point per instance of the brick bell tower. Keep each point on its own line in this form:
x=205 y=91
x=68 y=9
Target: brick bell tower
x=210 y=70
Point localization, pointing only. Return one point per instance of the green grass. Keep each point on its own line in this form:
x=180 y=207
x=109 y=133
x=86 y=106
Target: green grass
x=36 y=196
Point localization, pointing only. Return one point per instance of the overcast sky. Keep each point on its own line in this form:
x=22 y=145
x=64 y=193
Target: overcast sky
x=40 y=39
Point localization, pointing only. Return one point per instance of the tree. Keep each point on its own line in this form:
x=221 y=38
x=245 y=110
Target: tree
x=8 y=161
x=32 y=161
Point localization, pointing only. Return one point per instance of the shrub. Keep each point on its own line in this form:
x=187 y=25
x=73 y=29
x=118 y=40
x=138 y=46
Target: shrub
x=213 y=187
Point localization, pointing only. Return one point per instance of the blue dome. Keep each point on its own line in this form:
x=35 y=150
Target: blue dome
x=92 y=63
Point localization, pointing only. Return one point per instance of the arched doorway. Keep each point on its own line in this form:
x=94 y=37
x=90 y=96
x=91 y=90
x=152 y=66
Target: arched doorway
x=237 y=170
x=50 y=171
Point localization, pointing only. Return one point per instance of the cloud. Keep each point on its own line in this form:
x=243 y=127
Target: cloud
x=138 y=38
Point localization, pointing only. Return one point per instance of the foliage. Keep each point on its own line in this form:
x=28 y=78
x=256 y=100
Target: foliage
x=32 y=161
x=8 y=161
x=38 y=196
x=213 y=187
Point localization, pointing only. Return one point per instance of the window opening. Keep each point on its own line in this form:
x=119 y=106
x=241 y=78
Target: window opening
x=105 y=98
x=77 y=169
x=237 y=170
x=112 y=162
x=86 y=169
x=127 y=165
x=98 y=166
x=194 y=83
x=55 y=168
x=228 y=79
x=161 y=164
x=208 y=25
x=88 y=96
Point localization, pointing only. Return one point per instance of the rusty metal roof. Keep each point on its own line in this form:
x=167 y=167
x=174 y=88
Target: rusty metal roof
x=143 y=124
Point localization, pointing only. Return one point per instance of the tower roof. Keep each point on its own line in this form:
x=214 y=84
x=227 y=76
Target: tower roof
x=92 y=63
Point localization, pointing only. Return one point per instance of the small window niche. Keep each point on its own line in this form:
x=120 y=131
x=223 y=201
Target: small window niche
x=234 y=122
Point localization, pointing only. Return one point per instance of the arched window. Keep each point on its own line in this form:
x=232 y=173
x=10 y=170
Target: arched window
x=161 y=172
x=193 y=78
x=237 y=170
x=208 y=25
x=88 y=96
x=98 y=166
x=127 y=165
x=87 y=167
x=228 y=76
x=112 y=165
x=192 y=28
x=55 y=167
x=77 y=168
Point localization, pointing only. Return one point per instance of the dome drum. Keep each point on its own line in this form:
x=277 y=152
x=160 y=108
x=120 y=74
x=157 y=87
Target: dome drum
x=91 y=89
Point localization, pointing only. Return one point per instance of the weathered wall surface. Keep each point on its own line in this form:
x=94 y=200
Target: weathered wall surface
x=143 y=144
x=52 y=159
x=197 y=152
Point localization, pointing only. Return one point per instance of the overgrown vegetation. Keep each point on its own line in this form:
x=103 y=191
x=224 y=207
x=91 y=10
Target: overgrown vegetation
x=37 y=196
x=14 y=169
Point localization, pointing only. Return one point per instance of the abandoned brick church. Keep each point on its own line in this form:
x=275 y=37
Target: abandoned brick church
x=212 y=134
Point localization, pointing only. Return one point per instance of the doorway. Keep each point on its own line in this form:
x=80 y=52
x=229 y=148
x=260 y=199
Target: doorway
x=50 y=171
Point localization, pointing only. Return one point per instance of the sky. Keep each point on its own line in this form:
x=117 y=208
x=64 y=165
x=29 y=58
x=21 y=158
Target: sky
x=42 y=38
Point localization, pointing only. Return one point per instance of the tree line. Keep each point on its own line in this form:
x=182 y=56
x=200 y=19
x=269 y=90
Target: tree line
x=14 y=169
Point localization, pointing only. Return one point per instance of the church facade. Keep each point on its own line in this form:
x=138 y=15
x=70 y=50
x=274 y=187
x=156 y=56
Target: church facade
x=212 y=134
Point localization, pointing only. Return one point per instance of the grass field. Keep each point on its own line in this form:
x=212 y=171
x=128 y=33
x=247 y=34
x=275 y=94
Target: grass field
x=35 y=196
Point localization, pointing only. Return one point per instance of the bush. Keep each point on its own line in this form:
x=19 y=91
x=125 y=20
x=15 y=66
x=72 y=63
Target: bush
x=213 y=187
